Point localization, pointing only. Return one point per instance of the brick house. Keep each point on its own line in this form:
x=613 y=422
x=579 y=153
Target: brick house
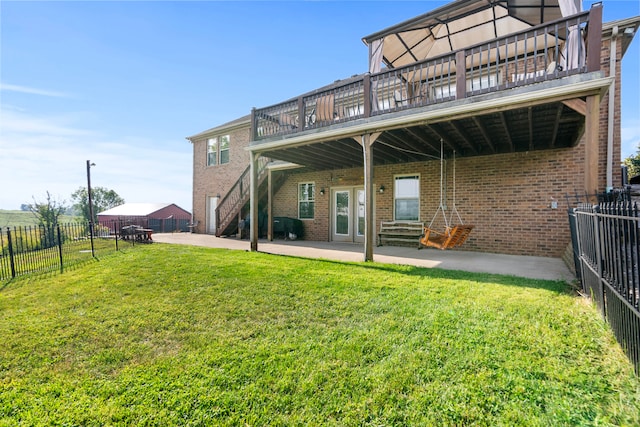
x=219 y=160
x=496 y=109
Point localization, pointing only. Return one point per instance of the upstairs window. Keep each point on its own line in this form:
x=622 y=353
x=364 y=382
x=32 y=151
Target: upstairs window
x=407 y=198
x=212 y=152
x=224 y=149
x=306 y=200
x=218 y=150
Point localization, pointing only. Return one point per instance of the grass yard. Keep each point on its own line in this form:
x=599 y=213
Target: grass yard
x=177 y=335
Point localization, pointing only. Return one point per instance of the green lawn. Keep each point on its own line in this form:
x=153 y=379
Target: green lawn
x=177 y=335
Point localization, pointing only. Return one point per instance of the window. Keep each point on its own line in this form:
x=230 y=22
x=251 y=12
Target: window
x=218 y=150
x=306 y=200
x=224 y=149
x=212 y=152
x=474 y=83
x=407 y=198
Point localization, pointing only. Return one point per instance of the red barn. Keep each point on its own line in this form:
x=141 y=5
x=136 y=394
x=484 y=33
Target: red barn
x=160 y=217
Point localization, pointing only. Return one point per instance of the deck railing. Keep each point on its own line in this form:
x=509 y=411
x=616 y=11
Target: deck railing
x=534 y=55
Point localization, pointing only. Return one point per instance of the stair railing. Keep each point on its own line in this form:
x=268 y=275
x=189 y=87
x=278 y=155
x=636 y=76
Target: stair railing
x=230 y=205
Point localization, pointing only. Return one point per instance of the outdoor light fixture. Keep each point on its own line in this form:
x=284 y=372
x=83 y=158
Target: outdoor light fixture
x=381 y=189
x=322 y=191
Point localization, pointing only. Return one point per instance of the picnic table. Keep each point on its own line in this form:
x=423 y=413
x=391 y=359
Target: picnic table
x=136 y=233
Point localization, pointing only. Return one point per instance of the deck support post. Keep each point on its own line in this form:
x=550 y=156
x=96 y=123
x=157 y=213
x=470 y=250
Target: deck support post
x=253 y=202
x=369 y=225
x=368 y=196
x=270 y=206
x=591 y=154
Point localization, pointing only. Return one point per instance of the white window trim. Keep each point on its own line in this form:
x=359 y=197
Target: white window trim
x=219 y=150
x=208 y=152
x=299 y=200
x=395 y=177
x=228 y=149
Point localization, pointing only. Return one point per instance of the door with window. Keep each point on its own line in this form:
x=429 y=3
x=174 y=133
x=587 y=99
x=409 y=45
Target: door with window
x=347 y=214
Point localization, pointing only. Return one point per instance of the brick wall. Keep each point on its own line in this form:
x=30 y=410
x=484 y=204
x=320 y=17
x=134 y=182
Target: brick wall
x=285 y=201
x=507 y=197
x=210 y=181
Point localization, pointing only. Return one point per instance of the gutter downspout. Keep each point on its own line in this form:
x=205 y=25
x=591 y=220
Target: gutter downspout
x=612 y=98
x=193 y=181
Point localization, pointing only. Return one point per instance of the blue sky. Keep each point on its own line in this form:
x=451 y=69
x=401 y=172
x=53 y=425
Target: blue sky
x=123 y=83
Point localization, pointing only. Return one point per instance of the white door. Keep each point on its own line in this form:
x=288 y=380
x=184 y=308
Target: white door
x=211 y=217
x=347 y=219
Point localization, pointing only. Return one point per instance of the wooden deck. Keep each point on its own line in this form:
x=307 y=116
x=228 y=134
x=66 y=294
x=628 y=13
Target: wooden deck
x=520 y=59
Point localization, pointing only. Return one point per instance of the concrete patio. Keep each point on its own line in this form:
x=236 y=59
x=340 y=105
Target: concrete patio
x=522 y=266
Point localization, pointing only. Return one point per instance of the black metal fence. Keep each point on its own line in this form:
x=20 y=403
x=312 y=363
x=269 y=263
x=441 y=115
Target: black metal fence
x=614 y=195
x=606 y=244
x=38 y=249
x=171 y=224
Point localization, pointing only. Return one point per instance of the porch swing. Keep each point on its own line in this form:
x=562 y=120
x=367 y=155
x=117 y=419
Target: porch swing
x=453 y=235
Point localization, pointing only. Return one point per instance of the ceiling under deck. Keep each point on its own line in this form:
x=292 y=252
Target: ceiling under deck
x=539 y=127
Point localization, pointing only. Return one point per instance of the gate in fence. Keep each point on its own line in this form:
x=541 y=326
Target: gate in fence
x=607 y=256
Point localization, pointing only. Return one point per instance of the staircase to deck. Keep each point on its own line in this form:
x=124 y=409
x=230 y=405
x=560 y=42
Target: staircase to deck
x=235 y=204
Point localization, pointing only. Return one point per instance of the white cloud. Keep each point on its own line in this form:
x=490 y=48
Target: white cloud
x=49 y=153
x=32 y=91
x=21 y=122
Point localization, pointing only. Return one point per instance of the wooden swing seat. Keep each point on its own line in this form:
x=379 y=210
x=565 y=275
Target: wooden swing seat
x=451 y=238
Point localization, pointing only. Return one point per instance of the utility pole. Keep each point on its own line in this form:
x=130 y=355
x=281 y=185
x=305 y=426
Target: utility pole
x=89 y=164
